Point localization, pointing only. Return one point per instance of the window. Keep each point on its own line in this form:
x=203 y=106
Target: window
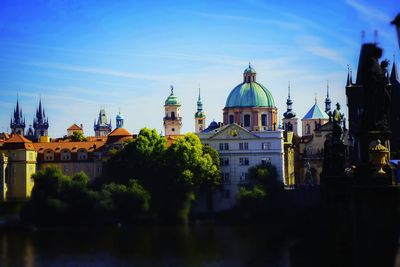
x=246 y=120
x=227 y=194
x=243 y=146
x=82 y=154
x=226 y=162
x=243 y=177
x=266 y=145
x=226 y=147
x=264 y=120
x=173 y=129
x=308 y=129
x=221 y=146
x=200 y=121
x=48 y=155
x=266 y=160
x=231 y=119
x=244 y=161
x=65 y=155
x=173 y=115
x=225 y=178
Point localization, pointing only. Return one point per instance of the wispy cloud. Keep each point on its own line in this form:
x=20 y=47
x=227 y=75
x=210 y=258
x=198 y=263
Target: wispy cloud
x=279 y=23
x=315 y=46
x=368 y=12
x=96 y=70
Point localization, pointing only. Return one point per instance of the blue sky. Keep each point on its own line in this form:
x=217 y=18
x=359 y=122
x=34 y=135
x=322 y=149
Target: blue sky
x=81 y=55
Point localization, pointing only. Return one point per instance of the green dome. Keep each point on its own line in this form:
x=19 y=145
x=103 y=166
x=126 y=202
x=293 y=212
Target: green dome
x=172 y=99
x=250 y=70
x=250 y=94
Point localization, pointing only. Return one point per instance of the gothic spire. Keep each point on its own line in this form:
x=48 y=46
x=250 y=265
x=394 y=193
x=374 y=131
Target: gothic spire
x=199 y=103
x=327 y=99
x=348 y=83
x=394 y=75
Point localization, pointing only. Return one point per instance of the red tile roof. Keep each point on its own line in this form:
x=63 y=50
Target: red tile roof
x=120 y=132
x=17 y=141
x=74 y=127
x=72 y=146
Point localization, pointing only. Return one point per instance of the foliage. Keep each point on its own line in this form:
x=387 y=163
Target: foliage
x=77 y=137
x=267 y=176
x=60 y=199
x=252 y=199
x=171 y=174
x=258 y=199
x=166 y=182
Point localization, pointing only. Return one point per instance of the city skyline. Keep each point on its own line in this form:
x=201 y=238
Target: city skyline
x=79 y=57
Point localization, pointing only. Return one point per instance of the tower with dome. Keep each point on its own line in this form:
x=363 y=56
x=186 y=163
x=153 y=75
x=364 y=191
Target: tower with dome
x=251 y=105
x=172 y=118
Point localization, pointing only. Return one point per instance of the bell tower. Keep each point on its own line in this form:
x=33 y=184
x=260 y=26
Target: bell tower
x=199 y=116
x=172 y=119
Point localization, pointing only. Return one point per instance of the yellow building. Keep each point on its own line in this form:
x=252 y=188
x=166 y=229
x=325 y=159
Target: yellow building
x=17 y=165
x=289 y=156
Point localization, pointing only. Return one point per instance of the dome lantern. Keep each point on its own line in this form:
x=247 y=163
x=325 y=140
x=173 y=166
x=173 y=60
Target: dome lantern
x=249 y=74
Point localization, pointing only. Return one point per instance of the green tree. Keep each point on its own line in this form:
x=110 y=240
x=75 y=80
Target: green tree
x=129 y=201
x=77 y=137
x=266 y=175
x=189 y=169
x=142 y=158
x=252 y=201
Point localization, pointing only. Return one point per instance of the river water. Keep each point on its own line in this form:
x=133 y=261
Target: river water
x=193 y=245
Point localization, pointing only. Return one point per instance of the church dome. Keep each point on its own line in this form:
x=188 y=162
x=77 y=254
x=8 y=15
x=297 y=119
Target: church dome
x=172 y=99
x=250 y=93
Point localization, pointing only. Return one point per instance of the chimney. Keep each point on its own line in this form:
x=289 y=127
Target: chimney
x=81 y=126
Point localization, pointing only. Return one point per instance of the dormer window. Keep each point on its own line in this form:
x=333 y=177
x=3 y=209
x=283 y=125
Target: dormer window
x=65 y=154
x=82 y=154
x=49 y=155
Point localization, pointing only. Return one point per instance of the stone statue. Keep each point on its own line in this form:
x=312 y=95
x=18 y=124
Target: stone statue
x=338 y=122
x=377 y=93
x=308 y=179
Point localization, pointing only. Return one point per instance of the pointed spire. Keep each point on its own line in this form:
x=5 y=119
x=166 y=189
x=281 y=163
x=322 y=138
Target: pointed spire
x=327 y=88
x=327 y=100
x=348 y=83
x=289 y=113
x=351 y=76
x=199 y=94
x=394 y=75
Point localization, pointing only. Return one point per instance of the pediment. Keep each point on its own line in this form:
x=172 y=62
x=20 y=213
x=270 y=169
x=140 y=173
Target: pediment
x=233 y=132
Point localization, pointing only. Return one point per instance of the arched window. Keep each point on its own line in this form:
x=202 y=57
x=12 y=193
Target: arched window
x=65 y=154
x=173 y=115
x=231 y=119
x=82 y=154
x=247 y=120
x=48 y=155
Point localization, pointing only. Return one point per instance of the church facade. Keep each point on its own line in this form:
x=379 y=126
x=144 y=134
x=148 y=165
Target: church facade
x=247 y=137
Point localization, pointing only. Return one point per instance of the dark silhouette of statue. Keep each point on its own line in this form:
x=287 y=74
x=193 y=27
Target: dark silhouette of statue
x=337 y=125
x=309 y=179
x=377 y=93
